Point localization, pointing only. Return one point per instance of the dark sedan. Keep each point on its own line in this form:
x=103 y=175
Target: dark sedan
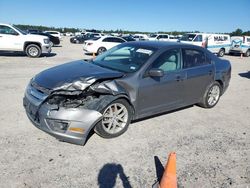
x=79 y=39
x=128 y=82
x=53 y=40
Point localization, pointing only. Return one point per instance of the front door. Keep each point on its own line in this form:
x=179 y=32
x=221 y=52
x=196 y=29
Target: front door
x=159 y=94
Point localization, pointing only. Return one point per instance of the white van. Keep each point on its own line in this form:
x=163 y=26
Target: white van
x=240 y=44
x=216 y=43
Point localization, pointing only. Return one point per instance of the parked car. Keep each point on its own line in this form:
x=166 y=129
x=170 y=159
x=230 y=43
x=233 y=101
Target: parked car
x=54 y=33
x=162 y=37
x=131 y=81
x=128 y=38
x=81 y=38
x=240 y=44
x=101 y=44
x=14 y=39
x=139 y=37
x=53 y=40
x=216 y=43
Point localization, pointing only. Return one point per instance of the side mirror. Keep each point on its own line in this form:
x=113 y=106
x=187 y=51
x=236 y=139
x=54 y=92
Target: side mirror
x=156 y=73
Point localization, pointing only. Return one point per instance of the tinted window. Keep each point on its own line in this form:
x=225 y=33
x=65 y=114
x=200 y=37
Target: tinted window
x=168 y=61
x=7 y=30
x=248 y=39
x=118 y=40
x=193 y=58
x=108 y=39
x=188 y=37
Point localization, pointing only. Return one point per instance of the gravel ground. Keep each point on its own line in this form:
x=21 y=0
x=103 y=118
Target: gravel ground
x=212 y=146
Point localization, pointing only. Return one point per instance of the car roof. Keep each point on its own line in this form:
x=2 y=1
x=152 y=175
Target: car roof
x=161 y=44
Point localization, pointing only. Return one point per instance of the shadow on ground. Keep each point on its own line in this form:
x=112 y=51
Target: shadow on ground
x=108 y=175
x=21 y=54
x=245 y=74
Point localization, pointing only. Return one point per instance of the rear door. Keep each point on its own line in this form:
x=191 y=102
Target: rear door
x=200 y=74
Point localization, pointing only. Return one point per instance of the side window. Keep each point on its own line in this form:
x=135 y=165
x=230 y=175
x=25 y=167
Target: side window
x=248 y=39
x=166 y=36
x=108 y=39
x=168 y=61
x=193 y=58
x=198 y=38
x=7 y=30
x=118 y=40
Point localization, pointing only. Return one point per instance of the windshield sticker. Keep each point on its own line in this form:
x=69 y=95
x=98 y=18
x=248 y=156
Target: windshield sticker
x=144 y=51
x=132 y=68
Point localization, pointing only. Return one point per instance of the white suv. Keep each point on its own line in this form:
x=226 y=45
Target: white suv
x=14 y=39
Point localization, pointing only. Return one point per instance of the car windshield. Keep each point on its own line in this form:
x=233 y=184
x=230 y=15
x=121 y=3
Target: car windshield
x=188 y=37
x=21 y=31
x=124 y=58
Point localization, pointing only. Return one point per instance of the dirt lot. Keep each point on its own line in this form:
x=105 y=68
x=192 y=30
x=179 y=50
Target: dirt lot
x=212 y=146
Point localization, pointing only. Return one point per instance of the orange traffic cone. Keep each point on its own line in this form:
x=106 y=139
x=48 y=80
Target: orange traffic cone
x=169 y=179
x=93 y=55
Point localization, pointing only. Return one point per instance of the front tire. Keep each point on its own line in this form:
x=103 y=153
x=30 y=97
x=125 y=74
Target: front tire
x=221 y=52
x=101 y=50
x=33 y=50
x=211 y=96
x=116 y=119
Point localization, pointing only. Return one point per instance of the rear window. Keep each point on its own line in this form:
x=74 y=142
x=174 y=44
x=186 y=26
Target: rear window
x=52 y=32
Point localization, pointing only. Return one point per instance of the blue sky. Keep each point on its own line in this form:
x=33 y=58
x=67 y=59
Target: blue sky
x=135 y=15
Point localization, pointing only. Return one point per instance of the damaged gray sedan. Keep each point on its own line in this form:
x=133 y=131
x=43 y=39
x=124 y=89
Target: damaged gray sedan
x=131 y=81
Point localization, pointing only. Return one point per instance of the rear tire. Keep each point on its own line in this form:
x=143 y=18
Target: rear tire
x=211 y=96
x=221 y=53
x=101 y=50
x=116 y=119
x=33 y=50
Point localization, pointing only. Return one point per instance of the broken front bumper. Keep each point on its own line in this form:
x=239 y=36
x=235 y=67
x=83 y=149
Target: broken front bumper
x=67 y=124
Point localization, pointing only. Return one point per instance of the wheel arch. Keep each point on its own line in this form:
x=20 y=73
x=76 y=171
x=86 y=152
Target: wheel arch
x=31 y=42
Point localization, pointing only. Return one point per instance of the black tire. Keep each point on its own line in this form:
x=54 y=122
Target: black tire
x=101 y=50
x=33 y=50
x=221 y=53
x=247 y=54
x=207 y=96
x=101 y=128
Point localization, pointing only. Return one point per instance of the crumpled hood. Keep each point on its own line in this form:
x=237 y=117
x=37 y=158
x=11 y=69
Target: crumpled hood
x=73 y=75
